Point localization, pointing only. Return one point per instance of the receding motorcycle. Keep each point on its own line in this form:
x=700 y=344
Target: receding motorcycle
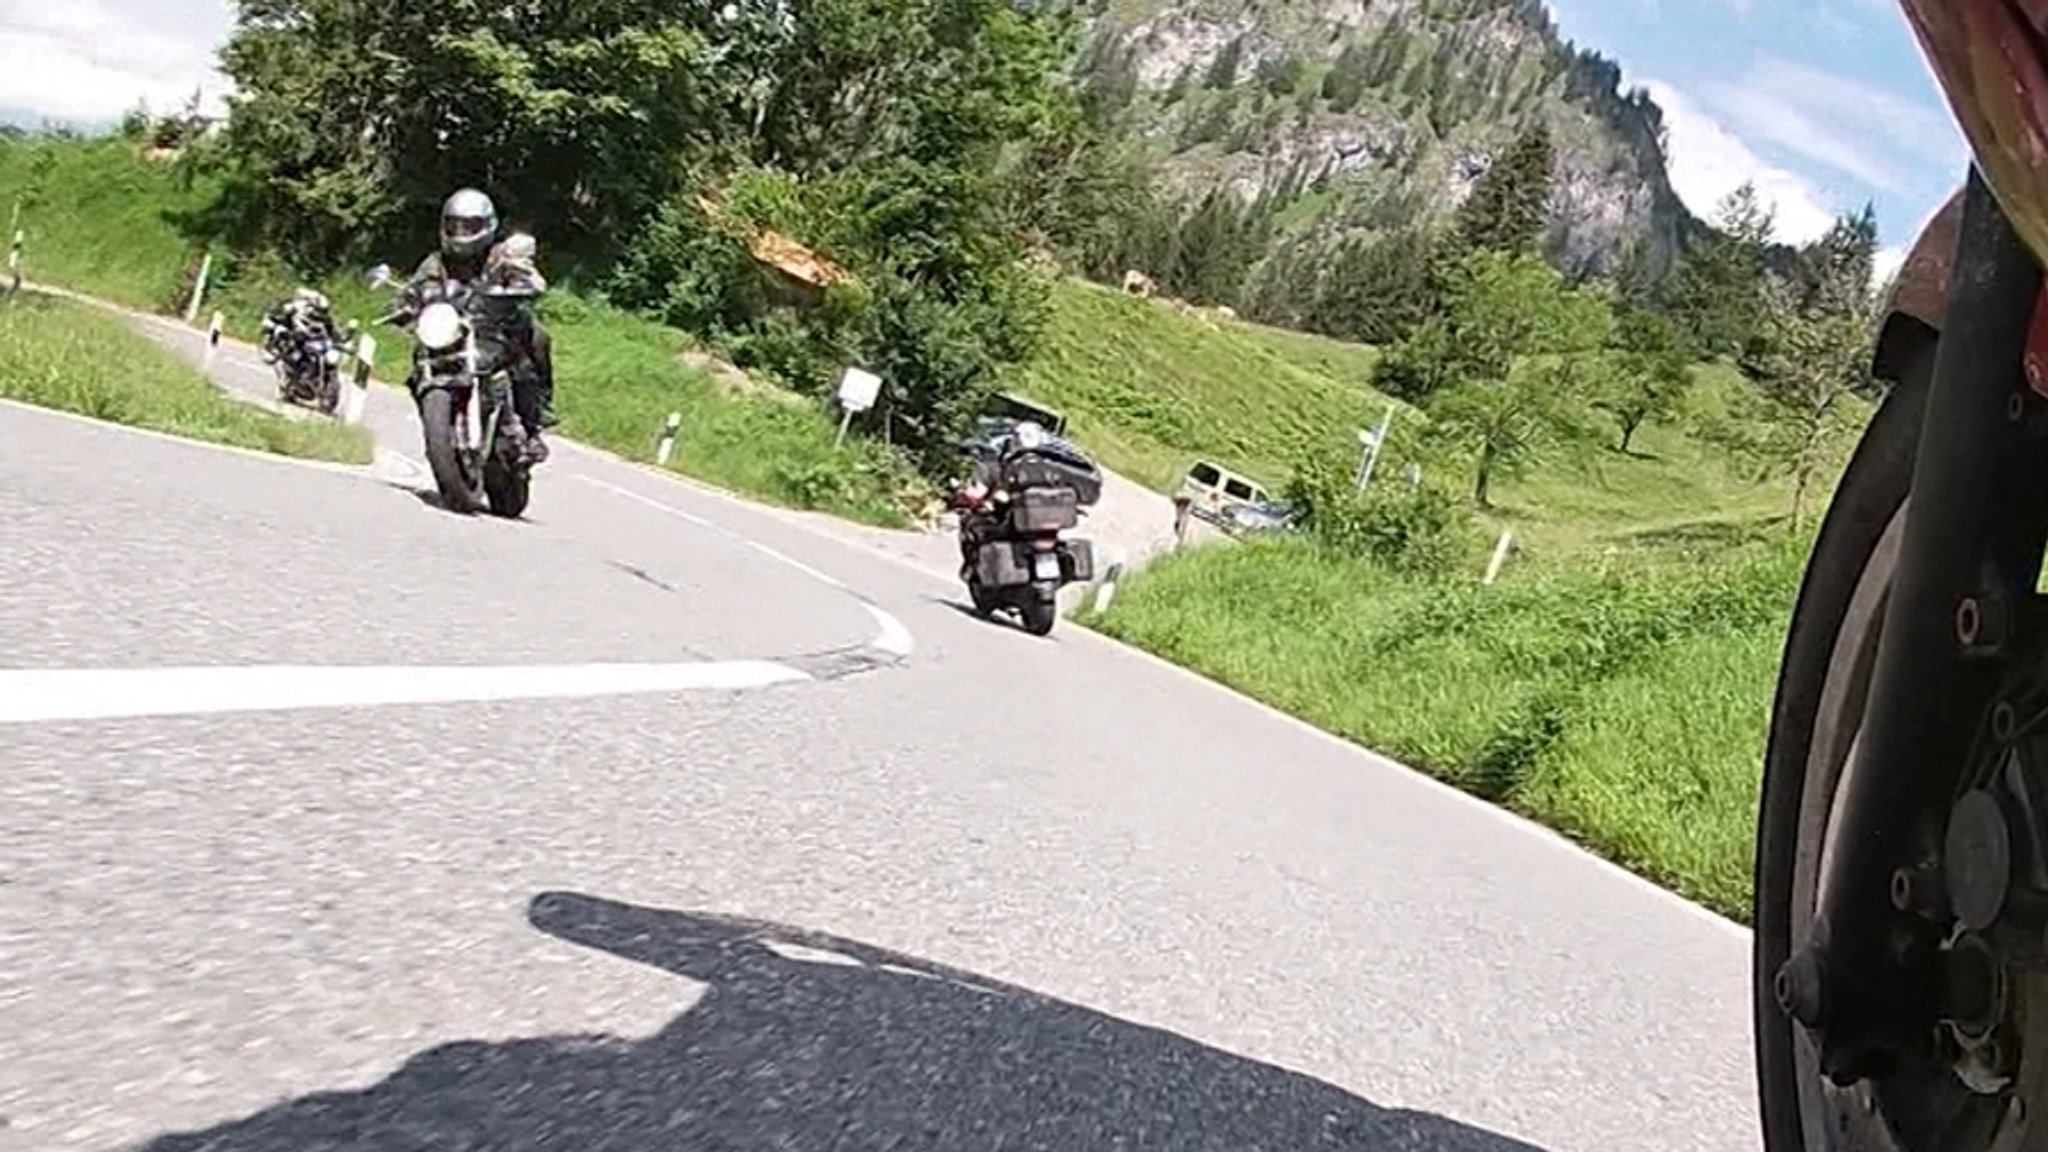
x=461 y=383
x=300 y=342
x=1901 y=916
x=1015 y=554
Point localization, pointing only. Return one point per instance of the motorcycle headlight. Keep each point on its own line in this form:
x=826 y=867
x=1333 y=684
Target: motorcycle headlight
x=333 y=356
x=439 y=327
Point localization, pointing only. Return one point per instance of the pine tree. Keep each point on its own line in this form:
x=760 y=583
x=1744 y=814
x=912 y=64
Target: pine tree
x=1223 y=73
x=1509 y=205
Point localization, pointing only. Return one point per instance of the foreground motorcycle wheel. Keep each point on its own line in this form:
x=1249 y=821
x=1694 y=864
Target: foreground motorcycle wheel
x=459 y=482
x=507 y=489
x=1922 y=1106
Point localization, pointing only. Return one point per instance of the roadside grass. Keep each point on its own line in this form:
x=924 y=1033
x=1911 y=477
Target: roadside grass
x=1624 y=707
x=104 y=225
x=67 y=356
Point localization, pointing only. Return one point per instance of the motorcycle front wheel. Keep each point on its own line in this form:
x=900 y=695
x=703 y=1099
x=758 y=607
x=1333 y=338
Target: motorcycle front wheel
x=456 y=476
x=1824 y=681
x=507 y=488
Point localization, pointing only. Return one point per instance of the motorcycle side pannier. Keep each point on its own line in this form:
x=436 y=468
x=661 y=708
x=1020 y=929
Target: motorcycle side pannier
x=1080 y=557
x=1045 y=509
x=997 y=564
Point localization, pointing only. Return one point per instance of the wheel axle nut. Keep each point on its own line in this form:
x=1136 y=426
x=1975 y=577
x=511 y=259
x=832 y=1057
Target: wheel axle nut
x=1980 y=623
x=1798 y=987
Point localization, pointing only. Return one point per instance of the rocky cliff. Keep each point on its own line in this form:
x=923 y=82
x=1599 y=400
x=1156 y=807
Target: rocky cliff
x=1364 y=115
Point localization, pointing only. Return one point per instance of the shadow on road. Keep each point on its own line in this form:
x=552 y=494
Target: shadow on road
x=809 y=1042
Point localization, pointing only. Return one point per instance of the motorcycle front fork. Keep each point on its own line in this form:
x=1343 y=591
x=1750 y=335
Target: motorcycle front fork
x=1868 y=983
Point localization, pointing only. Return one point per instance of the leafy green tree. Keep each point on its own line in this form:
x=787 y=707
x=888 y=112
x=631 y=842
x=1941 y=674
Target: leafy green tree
x=1717 y=292
x=1651 y=372
x=1812 y=360
x=1515 y=354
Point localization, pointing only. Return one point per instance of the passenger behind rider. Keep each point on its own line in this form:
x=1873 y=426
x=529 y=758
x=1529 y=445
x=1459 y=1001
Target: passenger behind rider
x=977 y=498
x=469 y=246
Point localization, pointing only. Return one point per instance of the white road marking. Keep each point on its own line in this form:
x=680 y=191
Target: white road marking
x=799 y=565
x=33 y=695
x=893 y=639
x=629 y=494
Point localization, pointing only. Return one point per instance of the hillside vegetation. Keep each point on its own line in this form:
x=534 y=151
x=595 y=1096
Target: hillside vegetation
x=1312 y=138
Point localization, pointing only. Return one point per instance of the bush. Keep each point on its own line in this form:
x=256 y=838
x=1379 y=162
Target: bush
x=1416 y=530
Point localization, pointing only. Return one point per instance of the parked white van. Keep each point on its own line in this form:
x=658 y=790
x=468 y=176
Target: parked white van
x=1212 y=490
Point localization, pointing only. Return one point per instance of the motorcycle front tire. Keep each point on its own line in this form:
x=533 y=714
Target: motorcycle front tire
x=461 y=486
x=1822 y=678
x=507 y=489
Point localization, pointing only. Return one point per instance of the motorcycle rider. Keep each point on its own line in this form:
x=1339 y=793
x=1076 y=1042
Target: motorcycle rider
x=976 y=499
x=469 y=247
x=305 y=312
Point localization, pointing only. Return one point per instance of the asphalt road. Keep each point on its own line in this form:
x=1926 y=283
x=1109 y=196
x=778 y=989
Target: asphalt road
x=939 y=885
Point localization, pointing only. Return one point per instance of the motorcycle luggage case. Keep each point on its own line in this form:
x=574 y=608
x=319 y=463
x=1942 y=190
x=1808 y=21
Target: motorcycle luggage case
x=1047 y=469
x=1045 y=509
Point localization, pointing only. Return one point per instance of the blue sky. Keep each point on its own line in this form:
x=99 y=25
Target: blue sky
x=1825 y=104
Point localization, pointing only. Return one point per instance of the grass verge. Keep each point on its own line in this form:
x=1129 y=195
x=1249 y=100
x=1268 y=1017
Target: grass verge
x=70 y=357
x=1626 y=707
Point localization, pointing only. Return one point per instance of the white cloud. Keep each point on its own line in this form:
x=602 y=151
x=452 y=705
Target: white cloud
x=1861 y=130
x=92 y=60
x=1708 y=162
x=1887 y=262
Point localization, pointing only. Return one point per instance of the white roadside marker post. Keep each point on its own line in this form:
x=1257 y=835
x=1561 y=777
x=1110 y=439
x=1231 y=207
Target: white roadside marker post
x=1500 y=555
x=14 y=259
x=358 y=382
x=199 y=289
x=213 y=330
x=1105 y=592
x=665 y=446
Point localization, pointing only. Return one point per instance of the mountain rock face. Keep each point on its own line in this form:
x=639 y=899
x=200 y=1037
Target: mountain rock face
x=1345 y=116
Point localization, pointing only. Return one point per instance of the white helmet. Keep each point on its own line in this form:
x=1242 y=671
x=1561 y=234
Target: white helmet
x=1028 y=436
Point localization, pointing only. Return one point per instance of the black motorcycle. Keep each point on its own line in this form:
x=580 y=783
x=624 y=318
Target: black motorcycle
x=302 y=345
x=461 y=381
x=1015 y=554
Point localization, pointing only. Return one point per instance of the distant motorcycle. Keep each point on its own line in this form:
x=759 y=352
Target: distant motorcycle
x=300 y=342
x=1015 y=554
x=461 y=382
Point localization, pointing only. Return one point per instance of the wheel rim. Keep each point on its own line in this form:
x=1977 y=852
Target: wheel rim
x=1922 y=1108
